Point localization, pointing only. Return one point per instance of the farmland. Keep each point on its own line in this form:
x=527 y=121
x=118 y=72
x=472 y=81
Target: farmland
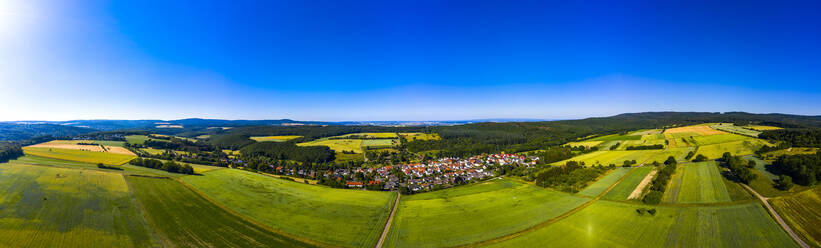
x=280 y=138
x=737 y=148
x=335 y=216
x=700 y=183
x=337 y=145
x=626 y=186
x=420 y=136
x=136 y=139
x=609 y=224
x=474 y=213
x=79 y=155
x=588 y=144
x=604 y=182
x=43 y=206
x=695 y=130
x=730 y=128
x=184 y=219
x=102 y=146
x=801 y=212
x=761 y=128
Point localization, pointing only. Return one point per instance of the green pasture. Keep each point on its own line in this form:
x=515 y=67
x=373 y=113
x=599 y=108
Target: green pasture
x=615 y=224
x=626 y=186
x=613 y=137
x=587 y=144
x=420 y=136
x=737 y=148
x=605 y=181
x=719 y=138
x=136 y=139
x=337 y=145
x=474 y=213
x=279 y=138
x=379 y=143
x=730 y=128
x=351 y=218
x=701 y=183
x=79 y=155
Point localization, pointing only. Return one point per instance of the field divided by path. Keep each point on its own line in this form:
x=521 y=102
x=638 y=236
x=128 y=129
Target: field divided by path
x=626 y=186
x=475 y=213
x=698 y=183
x=44 y=206
x=353 y=218
x=604 y=182
x=615 y=224
x=182 y=218
x=801 y=212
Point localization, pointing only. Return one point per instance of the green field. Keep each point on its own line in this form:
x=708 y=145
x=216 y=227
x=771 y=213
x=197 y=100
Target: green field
x=737 y=148
x=626 y=186
x=802 y=213
x=280 y=138
x=790 y=151
x=379 y=143
x=341 y=217
x=420 y=136
x=337 y=145
x=474 y=213
x=184 y=219
x=604 y=182
x=587 y=144
x=730 y=128
x=616 y=137
x=614 y=224
x=43 y=206
x=136 y=139
x=701 y=183
x=718 y=139
x=79 y=155
x=762 y=128
x=761 y=166
x=618 y=157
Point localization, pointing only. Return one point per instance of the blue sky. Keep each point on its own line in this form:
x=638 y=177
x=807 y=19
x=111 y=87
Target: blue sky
x=404 y=60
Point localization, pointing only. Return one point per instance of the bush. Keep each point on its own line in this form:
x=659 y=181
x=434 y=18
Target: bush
x=784 y=183
x=654 y=197
x=700 y=158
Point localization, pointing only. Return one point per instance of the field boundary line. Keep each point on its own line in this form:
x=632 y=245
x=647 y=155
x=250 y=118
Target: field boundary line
x=550 y=221
x=252 y=221
x=388 y=223
x=164 y=241
x=777 y=217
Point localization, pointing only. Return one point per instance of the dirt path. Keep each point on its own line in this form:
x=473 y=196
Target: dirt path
x=388 y=224
x=777 y=217
x=640 y=188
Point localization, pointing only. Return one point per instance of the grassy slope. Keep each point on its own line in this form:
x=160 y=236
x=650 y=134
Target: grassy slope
x=44 y=206
x=801 y=211
x=702 y=183
x=280 y=138
x=737 y=148
x=473 y=213
x=336 y=216
x=184 y=219
x=612 y=224
x=604 y=182
x=626 y=186
x=80 y=156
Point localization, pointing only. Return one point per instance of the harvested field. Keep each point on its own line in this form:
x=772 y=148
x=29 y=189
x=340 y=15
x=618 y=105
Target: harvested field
x=643 y=184
x=72 y=145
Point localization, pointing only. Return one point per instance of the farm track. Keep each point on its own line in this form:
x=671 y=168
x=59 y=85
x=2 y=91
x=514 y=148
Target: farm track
x=777 y=217
x=388 y=223
x=548 y=222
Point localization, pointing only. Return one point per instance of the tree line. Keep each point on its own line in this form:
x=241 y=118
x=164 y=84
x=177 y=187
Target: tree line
x=659 y=184
x=741 y=168
x=9 y=151
x=169 y=166
x=289 y=151
x=803 y=169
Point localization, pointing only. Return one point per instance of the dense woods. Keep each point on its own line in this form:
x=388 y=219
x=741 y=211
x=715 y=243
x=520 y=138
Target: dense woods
x=739 y=167
x=169 y=166
x=571 y=177
x=794 y=137
x=9 y=151
x=801 y=169
x=659 y=184
x=289 y=151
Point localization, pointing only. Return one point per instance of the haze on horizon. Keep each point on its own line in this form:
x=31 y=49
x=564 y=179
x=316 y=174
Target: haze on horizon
x=404 y=60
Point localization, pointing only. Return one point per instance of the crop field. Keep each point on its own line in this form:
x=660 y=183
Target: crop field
x=79 y=155
x=152 y=151
x=337 y=145
x=370 y=135
x=420 y=136
x=614 y=224
x=618 y=157
x=43 y=206
x=280 y=138
x=730 y=128
x=351 y=218
x=626 y=186
x=696 y=129
x=184 y=219
x=762 y=128
x=616 y=137
x=701 y=183
x=136 y=139
x=604 y=182
x=605 y=146
x=800 y=211
x=790 y=151
x=380 y=143
x=473 y=213
x=719 y=138
x=587 y=144
x=737 y=148
x=646 y=132
x=107 y=146
x=642 y=142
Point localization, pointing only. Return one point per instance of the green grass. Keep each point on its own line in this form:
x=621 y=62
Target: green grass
x=337 y=145
x=737 y=148
x=730 y=128
x=761 y=166
x=604 y=182
x=376 y=143
x=420 y=136
x=585 y=143
x=702 y=183
x=800 y=211
x=626 y=186
x=614 y=224
x=43 y=206
x=280 y=138
x=79 y=155
x=618 y=157
x=184 y=219
x=718 y=139
x=136 y=139
x=616 y=137
x=790 y=151
x=341 y=217
x=473 y=213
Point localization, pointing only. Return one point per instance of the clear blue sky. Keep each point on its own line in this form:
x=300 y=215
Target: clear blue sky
x=404 y=60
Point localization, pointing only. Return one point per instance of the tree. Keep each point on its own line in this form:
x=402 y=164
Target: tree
x=784 y=183
x=671 y=161
x=654 y=197
x=700 y=158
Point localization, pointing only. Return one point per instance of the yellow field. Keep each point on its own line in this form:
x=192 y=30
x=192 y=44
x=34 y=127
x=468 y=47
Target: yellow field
x=697 y=129
x=337 y=145
x=587 y=144
x=79 y=155
x=420 y=136
x=646 y=132
x=372 y=135
x=152 y=151
x=737 y=148
x=762 y=128
x=279 y=138
x=72 y=145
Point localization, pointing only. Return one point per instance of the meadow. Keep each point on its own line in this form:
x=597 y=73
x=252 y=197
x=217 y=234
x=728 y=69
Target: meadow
x=701 y=183
x=626 y=186
x=79 y=155
x=351 y=218
x=736 y=148
x=762 y=128
x=616 y=137
x=474 y=213
x=379 y=143
x=615 y=224
x=604 y=182
x=280 y=138
x=789 y=151
x=183 y=218
x=761 y=166
x=588 y=144
x=370 y=135
x=420 y=136
x=337 y=145
x=136 y=139
x=718 y=138
x=800 y=211
x=730 y=128
x=44 y=206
